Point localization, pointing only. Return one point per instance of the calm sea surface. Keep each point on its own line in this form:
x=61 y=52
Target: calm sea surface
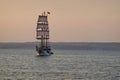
x=22 y=64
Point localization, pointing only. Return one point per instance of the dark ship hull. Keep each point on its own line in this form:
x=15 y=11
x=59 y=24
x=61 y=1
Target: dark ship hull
x=43 y=51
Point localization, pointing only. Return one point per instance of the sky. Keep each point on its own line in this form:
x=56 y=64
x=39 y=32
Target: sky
x=69 y=21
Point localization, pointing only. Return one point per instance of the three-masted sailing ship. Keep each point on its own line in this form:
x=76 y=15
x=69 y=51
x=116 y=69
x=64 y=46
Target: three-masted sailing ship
x=42 y=35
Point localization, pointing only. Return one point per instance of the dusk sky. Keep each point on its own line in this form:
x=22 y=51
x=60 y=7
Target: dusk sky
x=69 y=21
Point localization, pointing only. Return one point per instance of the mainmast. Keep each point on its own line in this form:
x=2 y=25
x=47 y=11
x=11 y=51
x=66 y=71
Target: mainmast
x=43 y=29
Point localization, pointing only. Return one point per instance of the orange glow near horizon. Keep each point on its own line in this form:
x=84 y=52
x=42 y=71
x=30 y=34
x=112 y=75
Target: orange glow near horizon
x=69 y=21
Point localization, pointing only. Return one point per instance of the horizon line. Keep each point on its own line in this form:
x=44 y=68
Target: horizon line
x=63 y=42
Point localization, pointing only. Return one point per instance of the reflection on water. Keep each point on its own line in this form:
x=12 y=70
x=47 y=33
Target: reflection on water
x=22 y=64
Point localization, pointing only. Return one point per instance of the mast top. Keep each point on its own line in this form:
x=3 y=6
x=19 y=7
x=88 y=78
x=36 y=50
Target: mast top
x=43 y=17
x=45 y=13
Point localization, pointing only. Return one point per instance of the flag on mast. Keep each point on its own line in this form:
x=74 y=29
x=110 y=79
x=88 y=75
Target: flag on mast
x=48 y=12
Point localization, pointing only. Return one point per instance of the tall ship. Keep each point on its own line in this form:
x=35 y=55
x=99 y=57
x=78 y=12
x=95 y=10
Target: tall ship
x=43 y=48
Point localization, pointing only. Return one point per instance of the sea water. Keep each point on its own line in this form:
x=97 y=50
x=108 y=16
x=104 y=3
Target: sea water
x=23 y=64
